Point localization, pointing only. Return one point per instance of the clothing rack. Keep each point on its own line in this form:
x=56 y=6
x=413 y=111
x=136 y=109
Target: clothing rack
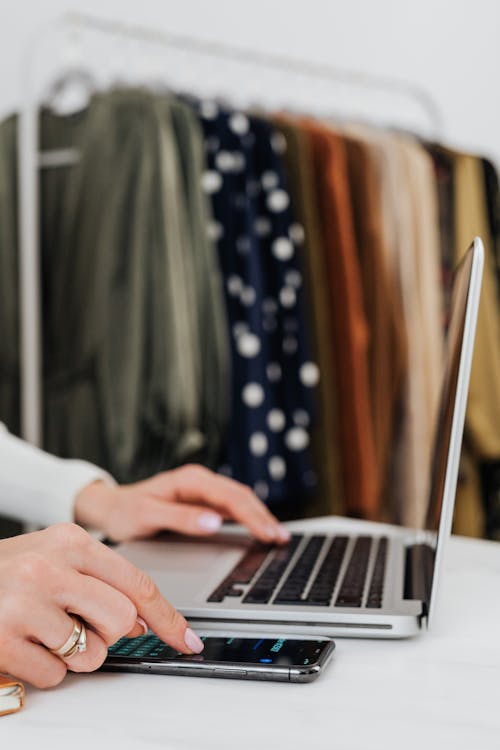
x=31 y=160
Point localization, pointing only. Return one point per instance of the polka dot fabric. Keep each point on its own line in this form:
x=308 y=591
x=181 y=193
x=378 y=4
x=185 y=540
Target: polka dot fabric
x=273 y=377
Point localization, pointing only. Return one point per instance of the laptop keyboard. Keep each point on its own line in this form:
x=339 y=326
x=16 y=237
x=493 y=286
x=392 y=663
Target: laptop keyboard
x=293 y=588
x=376 y=590
x=308 y=581
x=263 y=588
x=353 y=583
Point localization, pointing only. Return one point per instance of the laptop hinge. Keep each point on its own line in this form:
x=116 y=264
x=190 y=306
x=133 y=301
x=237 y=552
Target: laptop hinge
x=419 y=571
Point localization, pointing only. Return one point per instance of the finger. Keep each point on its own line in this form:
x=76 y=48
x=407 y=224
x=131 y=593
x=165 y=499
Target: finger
x=32 y=663
x=107 y=610
x=54 y=626
x=58 y=627
x=140 y=628
x=90 y=659
x=94 y=559
x=51 y=627
x=181 y=517
x=236 y=500
x=191 y=483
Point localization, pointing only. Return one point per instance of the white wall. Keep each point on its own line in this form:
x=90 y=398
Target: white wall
x=449 y=47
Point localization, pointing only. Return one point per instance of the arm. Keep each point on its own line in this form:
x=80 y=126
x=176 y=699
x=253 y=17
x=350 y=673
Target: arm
x=37 y=487
x=191 y=500
x=43 y=489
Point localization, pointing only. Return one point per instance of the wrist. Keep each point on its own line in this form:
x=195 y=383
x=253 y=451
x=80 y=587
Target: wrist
x=94 y=504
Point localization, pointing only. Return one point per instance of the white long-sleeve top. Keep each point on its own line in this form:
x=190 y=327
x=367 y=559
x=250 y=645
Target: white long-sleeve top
x=38 y=488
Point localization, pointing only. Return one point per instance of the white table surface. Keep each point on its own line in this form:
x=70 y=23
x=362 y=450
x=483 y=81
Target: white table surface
x=440 y=690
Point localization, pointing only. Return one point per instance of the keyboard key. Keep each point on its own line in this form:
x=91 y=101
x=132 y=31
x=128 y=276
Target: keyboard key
x=321 y=591
x=243 y=572
x=292 y=589
x=263 y=589
x=352 y=587
x=375 y=592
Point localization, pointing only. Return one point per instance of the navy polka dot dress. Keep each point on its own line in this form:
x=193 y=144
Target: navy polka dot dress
x=273 y=377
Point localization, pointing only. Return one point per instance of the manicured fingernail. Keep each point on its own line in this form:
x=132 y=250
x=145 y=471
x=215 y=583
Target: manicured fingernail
x=209 y=522
x=140 y=628
x=271 y=531
x=283 y=533
x=192 y=641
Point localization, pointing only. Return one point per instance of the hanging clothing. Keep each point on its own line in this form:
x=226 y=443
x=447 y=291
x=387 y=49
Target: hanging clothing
x=350 y=331
x=492 y=193
x=9 y=272
x=443 y=174
x=273 y=377
x=329 y=497
x=197 y=262
x=409 y=203
x=209 y=303
x=126 y=384
x=490 y=470
x=387 y=348
x=419 y=269
x=482 y=422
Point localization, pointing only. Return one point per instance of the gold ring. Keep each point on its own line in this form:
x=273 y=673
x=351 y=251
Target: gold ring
x=77 y=641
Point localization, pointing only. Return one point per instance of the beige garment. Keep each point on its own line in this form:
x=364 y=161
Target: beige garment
x=410 y=218
x=482 y=423
x=422 y=303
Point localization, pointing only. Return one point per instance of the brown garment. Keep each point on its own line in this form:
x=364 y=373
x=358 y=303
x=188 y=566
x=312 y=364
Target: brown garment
x=443 y=171
x=299 y=164
x=387 y=344
x=348 y=322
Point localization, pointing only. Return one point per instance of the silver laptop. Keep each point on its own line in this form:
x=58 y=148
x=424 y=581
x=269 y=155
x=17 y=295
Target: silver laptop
x=378 y=582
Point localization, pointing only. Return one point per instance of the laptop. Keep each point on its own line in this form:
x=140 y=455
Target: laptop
x=363 y=579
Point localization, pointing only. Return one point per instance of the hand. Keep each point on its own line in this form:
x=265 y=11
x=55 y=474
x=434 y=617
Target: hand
x=191 y=500
x=48 y=574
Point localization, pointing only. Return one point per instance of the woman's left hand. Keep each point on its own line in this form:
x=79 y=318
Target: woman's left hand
x=191 y=500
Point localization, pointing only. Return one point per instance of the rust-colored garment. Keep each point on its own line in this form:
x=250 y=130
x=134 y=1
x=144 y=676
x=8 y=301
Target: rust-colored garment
x=387 y=343
x=348 y=322
x=299 y=163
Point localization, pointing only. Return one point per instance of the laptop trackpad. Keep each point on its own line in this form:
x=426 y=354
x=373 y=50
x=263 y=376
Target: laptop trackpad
x=186 y=567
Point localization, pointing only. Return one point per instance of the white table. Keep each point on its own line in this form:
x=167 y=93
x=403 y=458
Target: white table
x=441 y=690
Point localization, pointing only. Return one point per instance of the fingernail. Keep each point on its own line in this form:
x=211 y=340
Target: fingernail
x=283 y=533
x=271 y=531
x=140 y=628
x=192 y=641
x=209 y=522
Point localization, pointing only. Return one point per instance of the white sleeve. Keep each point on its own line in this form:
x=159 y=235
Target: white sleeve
x=38 y=488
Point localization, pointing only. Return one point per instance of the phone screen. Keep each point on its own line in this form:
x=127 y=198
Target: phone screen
x=277 y=651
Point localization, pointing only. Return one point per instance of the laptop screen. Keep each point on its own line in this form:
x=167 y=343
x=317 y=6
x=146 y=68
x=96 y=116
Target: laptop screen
x=451 y=415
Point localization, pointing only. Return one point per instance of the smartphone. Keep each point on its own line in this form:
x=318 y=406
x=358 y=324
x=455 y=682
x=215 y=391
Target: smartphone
x=237 y=656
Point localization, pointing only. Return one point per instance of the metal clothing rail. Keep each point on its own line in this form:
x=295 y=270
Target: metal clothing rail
x=264 y=60
x=30 y=161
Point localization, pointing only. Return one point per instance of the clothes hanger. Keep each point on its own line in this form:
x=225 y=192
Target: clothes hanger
x=70 y=92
